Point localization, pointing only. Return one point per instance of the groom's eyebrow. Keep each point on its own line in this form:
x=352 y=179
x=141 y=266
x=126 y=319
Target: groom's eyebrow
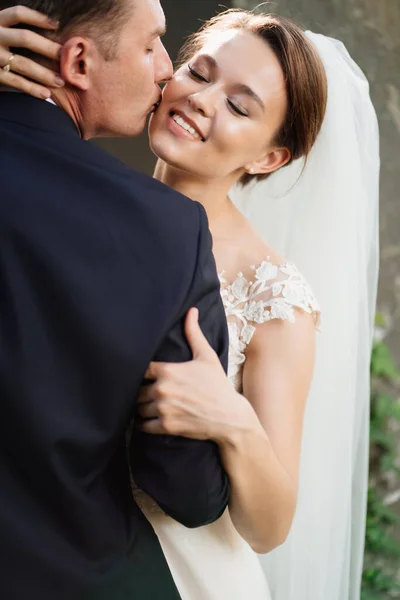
x=159 y=32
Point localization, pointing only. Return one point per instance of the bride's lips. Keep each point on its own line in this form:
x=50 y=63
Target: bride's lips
x=179 y=131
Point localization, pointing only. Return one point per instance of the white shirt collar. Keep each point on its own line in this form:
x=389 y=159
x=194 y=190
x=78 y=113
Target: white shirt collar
x=7 y=89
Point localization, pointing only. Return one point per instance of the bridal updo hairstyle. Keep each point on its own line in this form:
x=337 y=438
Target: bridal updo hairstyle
x=306 y=82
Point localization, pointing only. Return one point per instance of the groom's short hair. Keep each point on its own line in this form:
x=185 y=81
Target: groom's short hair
x=101 y=19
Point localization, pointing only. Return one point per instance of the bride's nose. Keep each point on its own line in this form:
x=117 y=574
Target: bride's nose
x=203 y=102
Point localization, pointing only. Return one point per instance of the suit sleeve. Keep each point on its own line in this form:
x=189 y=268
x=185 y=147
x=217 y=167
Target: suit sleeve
x=185 y=477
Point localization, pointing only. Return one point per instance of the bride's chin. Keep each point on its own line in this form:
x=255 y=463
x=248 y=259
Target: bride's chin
x=173 y=163
x=164 y=152
x=159 y=150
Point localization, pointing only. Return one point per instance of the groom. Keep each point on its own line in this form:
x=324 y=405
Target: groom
x=98 y=268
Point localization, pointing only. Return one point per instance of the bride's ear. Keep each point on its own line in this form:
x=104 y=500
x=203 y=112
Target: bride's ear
x=269 y=162
x=78 y=56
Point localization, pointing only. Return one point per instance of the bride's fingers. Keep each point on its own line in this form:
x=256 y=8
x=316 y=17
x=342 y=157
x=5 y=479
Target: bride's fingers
x=154 y=426
x=148 y=410
x=29 y=68
x=23 y=38
x=21 y=14
x=24 y=85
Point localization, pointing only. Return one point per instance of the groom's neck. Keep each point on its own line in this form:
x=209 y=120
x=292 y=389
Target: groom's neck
x=70 y=102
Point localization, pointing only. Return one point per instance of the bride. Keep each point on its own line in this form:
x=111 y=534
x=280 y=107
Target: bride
x=249 y=99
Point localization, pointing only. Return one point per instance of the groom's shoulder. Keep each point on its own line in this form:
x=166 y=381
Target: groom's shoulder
x=140 y=192
x=177 y=225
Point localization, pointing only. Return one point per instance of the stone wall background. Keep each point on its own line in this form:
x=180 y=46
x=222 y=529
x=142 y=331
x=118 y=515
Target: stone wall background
x=370 y=29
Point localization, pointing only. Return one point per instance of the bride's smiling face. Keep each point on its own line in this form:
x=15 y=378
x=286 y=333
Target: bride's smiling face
x=221 y=110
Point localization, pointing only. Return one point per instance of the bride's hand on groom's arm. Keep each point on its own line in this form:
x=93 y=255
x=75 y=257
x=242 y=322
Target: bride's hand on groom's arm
x=193 y=399
x=259 y=436
x=26 y=75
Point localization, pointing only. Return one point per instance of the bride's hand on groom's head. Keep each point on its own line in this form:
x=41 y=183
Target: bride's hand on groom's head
x=193 y=399
x=19 y=72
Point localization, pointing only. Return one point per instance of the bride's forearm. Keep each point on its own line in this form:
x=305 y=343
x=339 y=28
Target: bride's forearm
x=263 y=497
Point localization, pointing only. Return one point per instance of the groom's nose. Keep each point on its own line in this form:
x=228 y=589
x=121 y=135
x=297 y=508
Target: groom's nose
x=163 y=68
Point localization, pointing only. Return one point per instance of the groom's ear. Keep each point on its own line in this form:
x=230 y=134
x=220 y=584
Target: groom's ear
x=269 y=162
x=77 y=59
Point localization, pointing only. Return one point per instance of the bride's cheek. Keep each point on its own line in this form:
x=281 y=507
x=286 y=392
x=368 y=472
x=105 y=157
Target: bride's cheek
x=229 y=140
x=177 y=89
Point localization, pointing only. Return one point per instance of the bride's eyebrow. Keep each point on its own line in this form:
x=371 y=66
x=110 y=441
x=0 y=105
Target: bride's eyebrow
x=209 y=59
x=245 y=89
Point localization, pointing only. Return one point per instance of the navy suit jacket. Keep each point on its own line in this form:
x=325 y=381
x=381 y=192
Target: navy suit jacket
x=98 y=268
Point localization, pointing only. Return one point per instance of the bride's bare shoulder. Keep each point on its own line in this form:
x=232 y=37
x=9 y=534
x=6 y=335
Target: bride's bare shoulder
x=256 y=250
x=240 y=248
x=261 y=250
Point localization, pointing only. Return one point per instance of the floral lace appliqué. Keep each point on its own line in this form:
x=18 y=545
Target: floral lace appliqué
x=276 y=292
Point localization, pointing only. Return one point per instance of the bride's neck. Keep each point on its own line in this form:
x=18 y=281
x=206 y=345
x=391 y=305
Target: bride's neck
x=212 y=194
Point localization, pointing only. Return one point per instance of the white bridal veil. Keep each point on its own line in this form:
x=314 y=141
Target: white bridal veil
x=327 y=223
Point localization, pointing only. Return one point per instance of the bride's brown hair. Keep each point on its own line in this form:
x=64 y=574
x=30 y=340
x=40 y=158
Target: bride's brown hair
x=306 y=82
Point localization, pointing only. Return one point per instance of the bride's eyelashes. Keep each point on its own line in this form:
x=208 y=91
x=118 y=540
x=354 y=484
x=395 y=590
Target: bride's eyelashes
x=239 y=111
x=197 y=75
x=231 y=105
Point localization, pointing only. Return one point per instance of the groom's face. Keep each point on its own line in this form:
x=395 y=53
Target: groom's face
x=125 y=88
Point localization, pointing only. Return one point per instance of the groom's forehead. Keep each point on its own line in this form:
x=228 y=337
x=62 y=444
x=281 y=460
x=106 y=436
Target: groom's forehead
x=148 y=21
x=151 y=11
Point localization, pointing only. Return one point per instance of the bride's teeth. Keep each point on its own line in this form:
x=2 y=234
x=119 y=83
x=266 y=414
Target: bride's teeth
x=186 y=126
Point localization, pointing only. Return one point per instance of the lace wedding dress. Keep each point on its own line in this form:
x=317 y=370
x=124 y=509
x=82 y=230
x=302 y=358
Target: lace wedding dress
x=214 y=562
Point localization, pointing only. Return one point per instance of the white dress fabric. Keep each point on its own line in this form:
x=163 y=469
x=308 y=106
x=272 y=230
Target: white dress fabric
x=214 y=562
x=325 y=218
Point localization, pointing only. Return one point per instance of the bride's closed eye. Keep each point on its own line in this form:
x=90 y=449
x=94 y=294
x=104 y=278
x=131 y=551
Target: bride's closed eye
x=197 y=75
x=231 y=105
x=237 y=109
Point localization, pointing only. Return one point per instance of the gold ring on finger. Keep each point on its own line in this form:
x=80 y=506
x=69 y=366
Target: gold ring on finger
x=7 y=67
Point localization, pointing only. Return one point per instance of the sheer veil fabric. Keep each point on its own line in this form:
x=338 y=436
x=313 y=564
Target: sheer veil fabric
x=325 y=220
